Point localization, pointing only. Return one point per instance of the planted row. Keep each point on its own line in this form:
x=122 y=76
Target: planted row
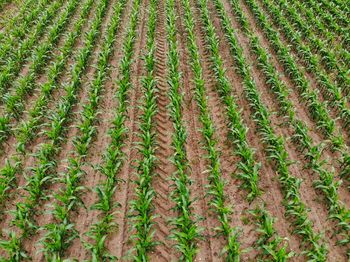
x=216 y=186
x=329 y=22
x=275 y=147
x=317 y=110
x=45 y=156
x=301 y=137
x=338 y=14
x=331 y=92
x=142 y=208
x=15 y=102
x=61 y=232
x=322 y=32
x=269 y=242
x=26 y=131
x=14 y=63
x=185 y=231
x=113 y=158
x=327 y=56
x=18 y=27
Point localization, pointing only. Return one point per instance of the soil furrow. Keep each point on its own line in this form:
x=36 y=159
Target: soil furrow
x=161 y=183
x=84 y=216
x=269 y=181
x=119 y=243
x=31 y=161
x=235 y=195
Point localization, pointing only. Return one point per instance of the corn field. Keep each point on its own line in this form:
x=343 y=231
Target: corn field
x=174 y=130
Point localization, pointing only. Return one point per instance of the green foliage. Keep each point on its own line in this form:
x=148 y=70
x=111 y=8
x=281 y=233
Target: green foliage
x=185 y=231
x=113 y=157
x=59 y=237
x=275 y=149
x=14 y=103
x=142 y=207
x=18 y=26
x=331 y=92
x=45 y=164
x=231 y=251
x=313 y=153
x=28 y=128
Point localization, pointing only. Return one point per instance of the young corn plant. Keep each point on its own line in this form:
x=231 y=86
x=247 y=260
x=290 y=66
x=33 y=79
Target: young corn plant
x=8 y=180
x=331 y=92
x=113 y=158
x=15 y=103
x=27 y=129
x=25 y=132
x=13 y=248
x=185 y=231
x=14 y=64
x=249 y=169
x=274 y=248
x=224 y=88
x=325 y=55
x=61 y=233
x=329 y=22
x=231 y=251
x=301 y=136
x=322 y=32
x=325 y=36
x=275 y=149
x=342 y=6
x=317 y=110
x=142 y=206
x=18 y=27
x=14 y=20
x=45 y=165
x=339 y=16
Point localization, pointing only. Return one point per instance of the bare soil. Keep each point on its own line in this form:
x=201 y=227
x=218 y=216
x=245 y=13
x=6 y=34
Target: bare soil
x=119 y=242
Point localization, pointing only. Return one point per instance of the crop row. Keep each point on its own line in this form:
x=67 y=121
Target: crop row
x=269 y=242
x=327 y=56
x=317 y=109
x=216 y=182
x=328 y=21
x=18 y=27
x=14 y=63
x=15 y=102
x=26 y=129
x=44 y=169
x=331 y=92
x=113 y=158
x=301 y=136
x=142 y=208
x=62 y=231
x=325 y=36
x=275 y=148
x=185 y=229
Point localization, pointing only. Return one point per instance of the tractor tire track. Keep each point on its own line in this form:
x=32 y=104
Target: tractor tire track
x=161 y=182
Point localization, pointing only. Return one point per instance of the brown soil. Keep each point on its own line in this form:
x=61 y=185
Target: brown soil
x=119 y=242
x=164 y=128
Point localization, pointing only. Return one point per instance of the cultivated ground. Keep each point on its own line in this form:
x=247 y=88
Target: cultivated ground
x=165 y=130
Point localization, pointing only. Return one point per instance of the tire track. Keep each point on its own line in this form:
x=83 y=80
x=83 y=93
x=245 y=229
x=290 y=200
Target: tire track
x=164 y=167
